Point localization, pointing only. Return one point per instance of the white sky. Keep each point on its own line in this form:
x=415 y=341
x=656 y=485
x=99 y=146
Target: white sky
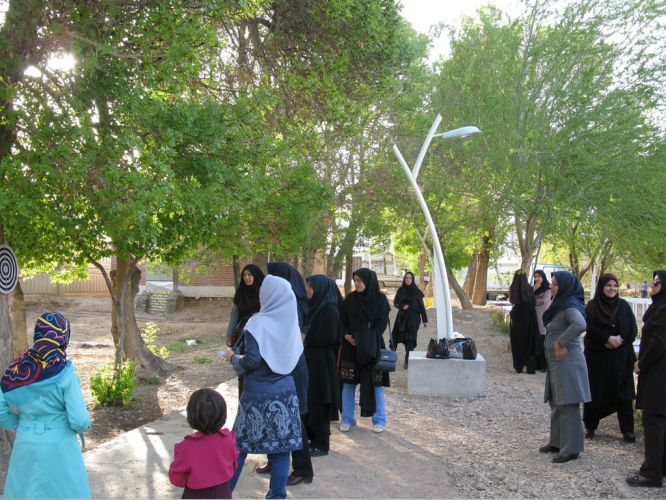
x=422 y=14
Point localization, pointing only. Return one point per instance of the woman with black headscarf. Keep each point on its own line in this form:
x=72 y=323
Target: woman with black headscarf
x=543 y=297
x=651 y=393
x=322 y=340
x=246 y=301
x=365 y=314
x=524 y=330
x=609 y=353
x=411 y=310
x=566 y=377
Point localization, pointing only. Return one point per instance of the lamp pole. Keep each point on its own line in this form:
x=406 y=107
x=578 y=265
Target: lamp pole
x=441 y=285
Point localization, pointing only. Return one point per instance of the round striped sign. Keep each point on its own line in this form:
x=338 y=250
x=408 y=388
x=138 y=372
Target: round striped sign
x=9 y=270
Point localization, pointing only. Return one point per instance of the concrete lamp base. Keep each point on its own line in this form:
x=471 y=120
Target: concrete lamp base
x=448 y=378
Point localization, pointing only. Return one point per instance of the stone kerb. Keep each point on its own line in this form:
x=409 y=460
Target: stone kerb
x=449 y=378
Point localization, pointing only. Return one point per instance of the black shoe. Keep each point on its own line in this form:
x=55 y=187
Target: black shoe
x=589 y=433
x=560 y=459
x=263 y=469
x=318 y=452
x=293 y=480
x=405 y=366
x=629 y=437
x=639 y=480
x=549 y=449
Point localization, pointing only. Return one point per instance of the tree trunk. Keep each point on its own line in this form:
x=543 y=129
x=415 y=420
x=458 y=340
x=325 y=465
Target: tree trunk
x=17 y=314
x=6 y=341
x=261 y=261
x=481 y=278
x=421 y=270
x=468 y=285
x=462 y=297
x=349 y=261
x=309 y=260
x=124 y=321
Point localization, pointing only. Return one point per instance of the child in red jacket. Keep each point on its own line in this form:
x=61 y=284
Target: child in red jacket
x=205 y=461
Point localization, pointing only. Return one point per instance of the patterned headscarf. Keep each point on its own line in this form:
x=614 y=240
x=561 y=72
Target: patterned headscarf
x=46 y=358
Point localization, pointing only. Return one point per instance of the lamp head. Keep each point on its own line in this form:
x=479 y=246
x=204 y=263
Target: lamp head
x=459 y=133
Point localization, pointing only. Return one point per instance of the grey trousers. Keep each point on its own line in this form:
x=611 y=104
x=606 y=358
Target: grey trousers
x=566 y=428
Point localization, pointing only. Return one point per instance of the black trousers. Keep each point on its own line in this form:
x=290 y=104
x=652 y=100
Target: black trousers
x=300 y=459
x=319 y=432
x=654 y=432
x=594 y=411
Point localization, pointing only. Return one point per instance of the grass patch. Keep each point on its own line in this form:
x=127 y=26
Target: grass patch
x=152 y=380
x=180 y=345
x=500 y=321
x=202 y=360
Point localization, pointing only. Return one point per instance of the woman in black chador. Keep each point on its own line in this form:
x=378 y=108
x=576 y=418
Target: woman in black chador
x=409 y=302
x=322 y=341
x=609 y=354
x=524 y=327
x=246 y=301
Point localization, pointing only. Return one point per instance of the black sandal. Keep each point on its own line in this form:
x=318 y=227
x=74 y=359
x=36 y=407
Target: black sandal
x=639 y=480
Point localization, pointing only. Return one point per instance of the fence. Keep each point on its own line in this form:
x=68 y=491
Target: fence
x=40 y=284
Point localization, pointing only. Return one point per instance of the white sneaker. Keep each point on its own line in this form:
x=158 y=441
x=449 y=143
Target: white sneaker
x=344 y=427
x=379 y=428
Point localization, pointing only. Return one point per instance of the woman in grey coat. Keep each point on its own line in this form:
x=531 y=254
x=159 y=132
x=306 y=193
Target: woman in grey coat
x=567 y=384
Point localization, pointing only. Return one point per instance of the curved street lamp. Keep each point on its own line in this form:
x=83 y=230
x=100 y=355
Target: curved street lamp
x=441 y=285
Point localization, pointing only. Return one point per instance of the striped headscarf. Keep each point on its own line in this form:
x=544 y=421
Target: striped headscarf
x=46 y=358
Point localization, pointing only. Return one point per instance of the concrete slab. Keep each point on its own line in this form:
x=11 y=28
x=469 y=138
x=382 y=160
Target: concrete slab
x=449 y=378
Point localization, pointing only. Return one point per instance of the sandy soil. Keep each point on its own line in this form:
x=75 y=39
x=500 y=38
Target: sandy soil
x=484 y=447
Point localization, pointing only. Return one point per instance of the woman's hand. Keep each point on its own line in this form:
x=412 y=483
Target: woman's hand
x=615 y=341
x=350 y=339
x=228 y=342
x=405 y=307
x=560 y=351
x=228 y=354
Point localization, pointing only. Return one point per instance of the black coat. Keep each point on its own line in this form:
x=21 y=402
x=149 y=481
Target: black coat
x=321 y=349
x=651 y=393
x=523 y=334
x=357 y=362
x=407 y=322
x=610 y=371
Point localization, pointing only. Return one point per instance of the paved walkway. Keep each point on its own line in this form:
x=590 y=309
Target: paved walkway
x=361 y=464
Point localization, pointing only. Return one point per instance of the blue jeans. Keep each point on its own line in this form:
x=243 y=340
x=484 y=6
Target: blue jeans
x=279 y=472
x=349 y=405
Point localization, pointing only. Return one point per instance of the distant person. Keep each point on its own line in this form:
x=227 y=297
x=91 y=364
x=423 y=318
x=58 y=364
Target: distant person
x=543 y=298
x=365 y=313
x=246 y=301
x=644 y=290
x=411 y=311
x=566 y=385
x=651 y=393
x=268 y=420
x=41 y=384
x=205 y=461
x=609 y=354
x=321 y=344
x=524 y=330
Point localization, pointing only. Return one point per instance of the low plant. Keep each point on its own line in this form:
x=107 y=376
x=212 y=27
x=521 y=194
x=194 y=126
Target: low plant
x=108 y=392
x=180 y=345
x=149 y=335
x=202 y=360
x=153 y=380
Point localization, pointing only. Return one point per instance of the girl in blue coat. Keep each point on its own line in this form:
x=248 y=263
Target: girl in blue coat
x=41 y=400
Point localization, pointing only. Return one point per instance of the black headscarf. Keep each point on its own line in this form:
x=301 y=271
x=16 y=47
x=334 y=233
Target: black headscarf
x=246 y=297
x=545 y=284
x=570 y=295
x=603 y=309
x=289 y=272
x=372 y=300
x=658 y=299
x=520 y=291
x=326 y=292
x=412 y=291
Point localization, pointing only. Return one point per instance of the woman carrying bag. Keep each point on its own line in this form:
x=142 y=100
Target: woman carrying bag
x=411 y=311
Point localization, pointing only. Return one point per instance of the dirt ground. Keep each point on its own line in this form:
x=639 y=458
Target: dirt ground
x=484 y=447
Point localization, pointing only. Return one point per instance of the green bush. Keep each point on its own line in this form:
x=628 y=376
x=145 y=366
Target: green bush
x=108 y=393
x=202 y=360
x=149 y=336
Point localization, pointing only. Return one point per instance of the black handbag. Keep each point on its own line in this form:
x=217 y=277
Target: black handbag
x=462 y=348
x=387 y=360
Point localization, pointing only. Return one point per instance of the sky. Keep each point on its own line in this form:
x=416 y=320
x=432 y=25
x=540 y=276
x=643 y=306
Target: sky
x=422 y=14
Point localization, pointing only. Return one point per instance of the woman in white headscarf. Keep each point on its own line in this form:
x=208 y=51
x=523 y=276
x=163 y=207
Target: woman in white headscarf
x=268 y=420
